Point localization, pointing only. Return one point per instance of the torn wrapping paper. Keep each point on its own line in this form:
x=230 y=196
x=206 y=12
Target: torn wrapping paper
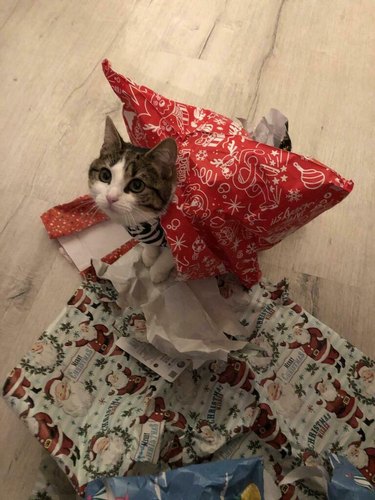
x=168 y=368
x=347 y=482
x=95 y=242
x=234 y=196
x=85 y=233
x=272 y=403
x=240 y=479
x=340 y=480
x=184 y=320
x=231 y=479
x=189 y=320
x=68 y=218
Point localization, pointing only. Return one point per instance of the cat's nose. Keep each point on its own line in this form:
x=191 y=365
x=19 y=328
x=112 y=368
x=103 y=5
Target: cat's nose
x=111 y=198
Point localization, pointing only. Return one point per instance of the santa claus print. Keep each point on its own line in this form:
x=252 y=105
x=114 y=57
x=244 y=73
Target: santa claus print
x=157 y=412
x=74 y=481
x=236 y=373
x=293 y=306
x=311 y=458
x=138 y=322
x=209 y=439
x=44 y=354
x=275 y=292
x=124 y=382
x=70 y=396
x=339 y=402
x=99 y=338
x=106 y=451
x=282 y=397
x=363 y=459
x=260 y=420
x=315 y=345
x=366 y=375
x=80 y=301
x=288 y=491
x=51 y=437
x=19 y=387
x=279 y=292
x=172 y=453
x=264 y=358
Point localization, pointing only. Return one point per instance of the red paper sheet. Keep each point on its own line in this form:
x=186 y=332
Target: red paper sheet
x=234 y=196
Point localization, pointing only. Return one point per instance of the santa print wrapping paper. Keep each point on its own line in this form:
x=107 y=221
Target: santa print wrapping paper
x=234 y=196
x=99 y=412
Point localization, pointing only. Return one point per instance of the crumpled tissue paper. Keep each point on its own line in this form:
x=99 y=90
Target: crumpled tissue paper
x=184 y=320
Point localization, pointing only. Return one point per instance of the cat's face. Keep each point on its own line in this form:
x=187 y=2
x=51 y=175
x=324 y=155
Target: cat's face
x=131 y=184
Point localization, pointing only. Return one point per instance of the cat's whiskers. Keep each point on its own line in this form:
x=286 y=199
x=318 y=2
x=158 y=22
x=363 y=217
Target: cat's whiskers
x=124 y=211
x=136 y=211
x=145 y=216
x=92 y=207
x=93 y=211
x=130 y=215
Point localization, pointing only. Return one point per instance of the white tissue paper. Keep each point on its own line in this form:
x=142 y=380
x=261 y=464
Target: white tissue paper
x=185 y=320
x=270 y=130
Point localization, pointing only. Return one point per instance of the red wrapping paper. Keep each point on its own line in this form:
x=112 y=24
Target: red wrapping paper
x=72 y=217
x=234 y=196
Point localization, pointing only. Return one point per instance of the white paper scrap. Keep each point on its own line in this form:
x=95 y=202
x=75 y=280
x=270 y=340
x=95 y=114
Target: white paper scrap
x=94 y=242
x=168 y=368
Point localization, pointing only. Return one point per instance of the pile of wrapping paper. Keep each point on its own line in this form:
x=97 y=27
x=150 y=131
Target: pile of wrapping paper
x=257 y=376
x=100 y=412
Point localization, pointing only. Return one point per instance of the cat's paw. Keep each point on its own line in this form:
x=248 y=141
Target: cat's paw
x=158 y=275
x=149 y=255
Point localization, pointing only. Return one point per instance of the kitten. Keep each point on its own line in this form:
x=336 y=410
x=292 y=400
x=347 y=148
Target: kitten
x=134 y=186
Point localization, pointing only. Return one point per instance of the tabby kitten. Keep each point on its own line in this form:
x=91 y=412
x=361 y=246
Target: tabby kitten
x=134 y=186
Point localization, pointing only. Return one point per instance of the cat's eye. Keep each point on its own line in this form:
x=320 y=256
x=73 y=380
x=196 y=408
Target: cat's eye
x=105 y=175
x=136 y=186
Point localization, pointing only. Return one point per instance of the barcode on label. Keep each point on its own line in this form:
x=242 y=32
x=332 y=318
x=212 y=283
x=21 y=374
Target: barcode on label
x=147 y=354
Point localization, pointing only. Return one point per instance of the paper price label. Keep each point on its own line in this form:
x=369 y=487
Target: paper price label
x=168 y=368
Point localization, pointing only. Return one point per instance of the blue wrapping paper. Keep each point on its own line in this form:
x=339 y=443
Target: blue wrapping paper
x=227 y=479
x=347 y=482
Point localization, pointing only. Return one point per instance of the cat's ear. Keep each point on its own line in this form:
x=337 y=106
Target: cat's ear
x=164 y=155
x=112 y=139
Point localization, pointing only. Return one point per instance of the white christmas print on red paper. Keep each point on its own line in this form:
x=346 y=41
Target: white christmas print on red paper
x=234 y=196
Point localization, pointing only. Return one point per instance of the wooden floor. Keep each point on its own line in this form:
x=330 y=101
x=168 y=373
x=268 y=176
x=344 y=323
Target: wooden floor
x=312 y=59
